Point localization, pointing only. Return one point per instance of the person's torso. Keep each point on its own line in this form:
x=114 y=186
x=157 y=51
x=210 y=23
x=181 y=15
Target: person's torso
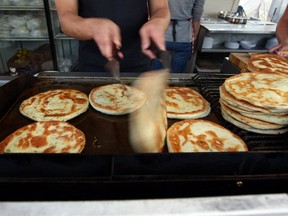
x=129 y=15
x=181 y=13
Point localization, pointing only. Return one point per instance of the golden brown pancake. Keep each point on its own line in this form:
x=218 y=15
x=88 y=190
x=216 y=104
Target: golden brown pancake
x=202 y=136
x=246 y=127
x=253 y=122
x=241 y=104
x=58 y=104
x=185 y=103
x=113 y=99
x=266 y=90
x=268 y=63
x=44 y=137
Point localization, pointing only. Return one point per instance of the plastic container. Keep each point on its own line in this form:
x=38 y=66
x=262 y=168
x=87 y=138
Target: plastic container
x=18 y=2
x=4 y=2
x=271 y=43
x=17 y=22
x=208 y=42
x=20 y=32
x=247 y=44
x=35 y=2
x=34 y=23
x=39 y=33
x=231 y=45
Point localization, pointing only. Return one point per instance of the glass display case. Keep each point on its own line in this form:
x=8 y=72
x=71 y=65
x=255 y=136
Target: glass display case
x=24 y=37
x=66 y=48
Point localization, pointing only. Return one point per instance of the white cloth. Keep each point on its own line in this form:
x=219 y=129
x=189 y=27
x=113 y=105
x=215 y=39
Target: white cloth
x=276 y=10
x=256 y=8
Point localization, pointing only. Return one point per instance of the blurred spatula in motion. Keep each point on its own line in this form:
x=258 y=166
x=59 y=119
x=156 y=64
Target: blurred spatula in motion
x=148 y=124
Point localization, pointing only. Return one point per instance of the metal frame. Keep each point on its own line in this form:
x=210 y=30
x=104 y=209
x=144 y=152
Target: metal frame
x=51 y=34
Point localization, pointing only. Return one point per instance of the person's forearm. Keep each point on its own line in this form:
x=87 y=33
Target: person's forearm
x=161 y=15
x=196 y=27
x=153 y=31
x=71 y=23
x=282 y=33
x=104 y=32
x=281 y=30
x=74 y=26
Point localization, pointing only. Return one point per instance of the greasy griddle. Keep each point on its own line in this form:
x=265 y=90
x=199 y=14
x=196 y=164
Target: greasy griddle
x=109 y=169
x=108 y=134
x=105 y=134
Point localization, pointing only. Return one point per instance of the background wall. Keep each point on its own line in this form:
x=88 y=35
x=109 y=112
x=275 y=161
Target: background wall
x=212 y=7
x=269 y=10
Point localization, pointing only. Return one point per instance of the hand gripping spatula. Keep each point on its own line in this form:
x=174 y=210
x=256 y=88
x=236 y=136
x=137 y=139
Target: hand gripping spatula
x=163 y=55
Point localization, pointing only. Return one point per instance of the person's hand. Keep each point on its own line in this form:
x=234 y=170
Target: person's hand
x=280 y=49
x=152 y=32
x=107 y=36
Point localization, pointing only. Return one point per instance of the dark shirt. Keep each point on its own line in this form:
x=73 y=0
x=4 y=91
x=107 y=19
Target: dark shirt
x=129 y=15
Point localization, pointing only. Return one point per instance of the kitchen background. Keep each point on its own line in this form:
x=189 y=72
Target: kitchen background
x=31 y=39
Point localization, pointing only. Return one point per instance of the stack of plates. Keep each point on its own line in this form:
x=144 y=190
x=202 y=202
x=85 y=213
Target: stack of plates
x=256 y=102
x=231 y=45
x=247 y=44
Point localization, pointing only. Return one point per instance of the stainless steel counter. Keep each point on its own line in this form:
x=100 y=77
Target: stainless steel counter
x=253 y=26
x=250 y=205
x=249 y=28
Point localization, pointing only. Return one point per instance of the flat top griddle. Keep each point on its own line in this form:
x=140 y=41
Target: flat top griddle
x=108 y=134
x=105 y=134
x=109 y=169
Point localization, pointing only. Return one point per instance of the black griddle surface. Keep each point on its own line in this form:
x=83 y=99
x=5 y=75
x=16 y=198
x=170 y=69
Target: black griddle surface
x=108 y=134
x=105 y=134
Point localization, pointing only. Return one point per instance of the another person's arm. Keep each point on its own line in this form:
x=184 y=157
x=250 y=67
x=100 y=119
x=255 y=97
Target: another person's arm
x=154 y=29
x=103 y=31
x=282 y=35
x=197 y=13
x=196 y=27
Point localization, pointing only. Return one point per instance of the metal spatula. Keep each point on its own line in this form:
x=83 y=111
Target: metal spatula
x=163 y=55
x=113 y=66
